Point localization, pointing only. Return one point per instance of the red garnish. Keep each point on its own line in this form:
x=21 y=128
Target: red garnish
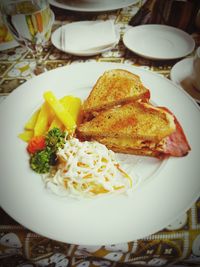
x=36 y=143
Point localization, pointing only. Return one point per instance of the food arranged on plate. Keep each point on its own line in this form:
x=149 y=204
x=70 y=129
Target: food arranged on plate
x=73 y=144
x=53 y=113
x=68 y=165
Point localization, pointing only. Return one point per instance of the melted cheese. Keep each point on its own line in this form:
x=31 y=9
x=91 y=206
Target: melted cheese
x=127 y=142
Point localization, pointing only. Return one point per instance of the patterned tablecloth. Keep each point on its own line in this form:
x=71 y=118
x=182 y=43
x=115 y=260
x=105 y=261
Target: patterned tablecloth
x=179 y=243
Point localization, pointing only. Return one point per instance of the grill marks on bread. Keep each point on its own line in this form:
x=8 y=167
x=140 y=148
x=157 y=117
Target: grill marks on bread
x=135 y=120
x=118 y=114
x=115 y=87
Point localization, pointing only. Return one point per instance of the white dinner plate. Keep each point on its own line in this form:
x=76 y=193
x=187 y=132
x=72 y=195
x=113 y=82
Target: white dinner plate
x=56 y=41
x=158 y=41
x=168 y=188
x=8 y=45
x=89 y=6
x=181 y=74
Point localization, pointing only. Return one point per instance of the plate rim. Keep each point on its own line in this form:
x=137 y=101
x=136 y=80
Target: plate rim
x=79 y=9
x=107 y=65
x=154 y=26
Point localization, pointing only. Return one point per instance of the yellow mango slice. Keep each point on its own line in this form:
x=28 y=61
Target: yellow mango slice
x=72 y=105
x=63 y=115
x=26 y=135
x=41 y=125
x=30 y=124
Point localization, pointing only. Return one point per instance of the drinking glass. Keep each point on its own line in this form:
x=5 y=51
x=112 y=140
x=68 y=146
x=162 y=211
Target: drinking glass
x=30 y=22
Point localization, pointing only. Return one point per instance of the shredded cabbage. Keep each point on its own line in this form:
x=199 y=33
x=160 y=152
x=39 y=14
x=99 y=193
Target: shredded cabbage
x=87 y=169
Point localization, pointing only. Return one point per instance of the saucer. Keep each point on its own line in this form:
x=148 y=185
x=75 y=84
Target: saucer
x=181 y=75
x=56 y=39
x=158 y=42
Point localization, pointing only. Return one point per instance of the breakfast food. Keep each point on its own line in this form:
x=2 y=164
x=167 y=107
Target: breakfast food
x=61 y=112
x=68 y=166
x=53 y=113
x=137 y=128
x=125 y=121
x=114 y=87
x=72 y=144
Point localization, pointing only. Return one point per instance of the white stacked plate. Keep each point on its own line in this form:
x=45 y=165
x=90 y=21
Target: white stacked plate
x=159 y=42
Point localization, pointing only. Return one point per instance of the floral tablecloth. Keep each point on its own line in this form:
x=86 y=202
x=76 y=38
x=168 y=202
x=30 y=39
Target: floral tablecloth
x=179 y=243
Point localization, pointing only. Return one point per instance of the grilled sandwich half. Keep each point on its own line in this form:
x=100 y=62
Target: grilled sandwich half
x=114 y=87
x=137 y=128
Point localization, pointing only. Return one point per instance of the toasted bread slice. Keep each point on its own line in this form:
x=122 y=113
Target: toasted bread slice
x=115 y=87
x=138 y=121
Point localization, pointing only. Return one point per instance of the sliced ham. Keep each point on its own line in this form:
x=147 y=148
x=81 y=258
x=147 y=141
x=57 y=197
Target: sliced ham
x=176 y=144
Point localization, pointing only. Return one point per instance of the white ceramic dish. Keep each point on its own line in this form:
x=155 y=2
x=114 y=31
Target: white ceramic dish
x=115 y=219
x=8 y=45
x=89 y=6
x=56 y=41
x=158 y=42
x=181 y=74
